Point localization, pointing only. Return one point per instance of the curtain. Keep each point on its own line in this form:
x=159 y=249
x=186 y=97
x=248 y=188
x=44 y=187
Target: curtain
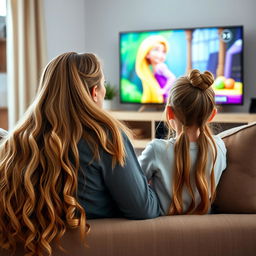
x=26 y=54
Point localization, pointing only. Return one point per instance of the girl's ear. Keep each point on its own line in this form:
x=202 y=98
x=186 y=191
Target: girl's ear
x=170 y=113
x=213 y=114
x=94 y=93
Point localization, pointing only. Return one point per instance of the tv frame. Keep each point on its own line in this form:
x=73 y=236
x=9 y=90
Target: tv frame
x=184 y=28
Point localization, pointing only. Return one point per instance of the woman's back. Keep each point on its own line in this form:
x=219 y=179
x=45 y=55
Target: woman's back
x=121 y=191
x=43 y=191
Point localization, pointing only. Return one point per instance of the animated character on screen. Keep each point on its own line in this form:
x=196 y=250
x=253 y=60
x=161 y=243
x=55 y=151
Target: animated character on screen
x=157 y=81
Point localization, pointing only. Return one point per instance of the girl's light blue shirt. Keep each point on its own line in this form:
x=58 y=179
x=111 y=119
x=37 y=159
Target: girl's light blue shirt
x=157 y=162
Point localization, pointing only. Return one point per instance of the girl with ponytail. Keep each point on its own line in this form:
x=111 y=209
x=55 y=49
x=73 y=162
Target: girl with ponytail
x=67 y=161
x=185 y=170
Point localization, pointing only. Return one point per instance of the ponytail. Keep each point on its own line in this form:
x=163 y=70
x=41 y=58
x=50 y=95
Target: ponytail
x=182 y=170
x=181 y=173
x=205 y=144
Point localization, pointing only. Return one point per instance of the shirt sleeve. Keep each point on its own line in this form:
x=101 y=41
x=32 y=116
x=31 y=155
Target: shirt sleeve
x=147 y=161
x=129 y=188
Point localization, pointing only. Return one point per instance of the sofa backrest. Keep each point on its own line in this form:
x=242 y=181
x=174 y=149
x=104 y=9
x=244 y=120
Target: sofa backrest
x=236 y=191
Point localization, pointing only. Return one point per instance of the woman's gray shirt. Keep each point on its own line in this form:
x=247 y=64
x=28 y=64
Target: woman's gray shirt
x=119 y=192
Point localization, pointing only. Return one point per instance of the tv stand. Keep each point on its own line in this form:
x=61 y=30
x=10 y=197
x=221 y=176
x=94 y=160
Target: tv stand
x=144 y=125
x=151 y=107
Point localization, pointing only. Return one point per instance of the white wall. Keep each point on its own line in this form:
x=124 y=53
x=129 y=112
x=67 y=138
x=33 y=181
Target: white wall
x=65 y=26
x=93 y=26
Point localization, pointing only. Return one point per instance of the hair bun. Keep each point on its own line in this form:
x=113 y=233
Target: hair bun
x=201 y=80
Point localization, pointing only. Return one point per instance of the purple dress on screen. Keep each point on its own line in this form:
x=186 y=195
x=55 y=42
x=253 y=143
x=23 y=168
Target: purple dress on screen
x=164 y=77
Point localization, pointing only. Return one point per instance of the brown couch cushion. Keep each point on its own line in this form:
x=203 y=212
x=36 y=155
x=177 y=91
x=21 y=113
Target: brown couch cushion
x=236 y=192
x=194 y=235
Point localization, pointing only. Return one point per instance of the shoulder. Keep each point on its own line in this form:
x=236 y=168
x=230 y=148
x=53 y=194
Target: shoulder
x=127 y=142
x=125 y=137
x=160 y=142
x=220 y=143
x=160 y=145
x=154 y=151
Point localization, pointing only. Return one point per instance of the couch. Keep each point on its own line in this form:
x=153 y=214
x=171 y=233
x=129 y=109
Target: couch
x=230 y=231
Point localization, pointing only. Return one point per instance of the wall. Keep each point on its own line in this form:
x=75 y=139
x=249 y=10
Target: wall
x=93 y=26
x=65 y=26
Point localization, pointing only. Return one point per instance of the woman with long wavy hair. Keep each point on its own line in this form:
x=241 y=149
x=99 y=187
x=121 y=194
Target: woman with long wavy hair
x=185 y=170
x=67 y=160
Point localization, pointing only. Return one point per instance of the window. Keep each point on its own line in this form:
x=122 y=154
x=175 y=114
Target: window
x=205 y=46
x=3 y=8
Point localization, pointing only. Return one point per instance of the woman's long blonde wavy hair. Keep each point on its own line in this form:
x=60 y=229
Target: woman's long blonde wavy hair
x=38 y=182
x=192 y=101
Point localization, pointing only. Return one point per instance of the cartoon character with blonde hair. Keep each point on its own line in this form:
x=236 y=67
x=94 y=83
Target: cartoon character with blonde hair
x=157 y=81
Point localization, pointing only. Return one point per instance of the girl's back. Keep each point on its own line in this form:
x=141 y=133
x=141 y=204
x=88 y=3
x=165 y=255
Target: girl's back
x=157 y=160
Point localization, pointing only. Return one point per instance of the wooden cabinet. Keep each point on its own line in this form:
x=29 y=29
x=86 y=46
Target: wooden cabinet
x=2 y=55
x=145 y=125
x=4 y=118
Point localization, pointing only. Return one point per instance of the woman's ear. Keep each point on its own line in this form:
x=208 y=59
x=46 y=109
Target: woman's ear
x=213 y=114
x=94 y=93
x=170 y=113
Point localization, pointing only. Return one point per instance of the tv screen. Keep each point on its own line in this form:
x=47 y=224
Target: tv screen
x=150 y=61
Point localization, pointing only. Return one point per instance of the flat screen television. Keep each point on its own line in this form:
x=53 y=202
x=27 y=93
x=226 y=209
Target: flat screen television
x=150 y=61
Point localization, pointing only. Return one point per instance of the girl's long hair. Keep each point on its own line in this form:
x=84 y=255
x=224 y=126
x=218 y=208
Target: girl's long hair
x=192 y=101
x=38 y=181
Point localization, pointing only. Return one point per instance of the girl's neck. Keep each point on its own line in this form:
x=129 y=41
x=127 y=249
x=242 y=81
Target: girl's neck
x=193 y=133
